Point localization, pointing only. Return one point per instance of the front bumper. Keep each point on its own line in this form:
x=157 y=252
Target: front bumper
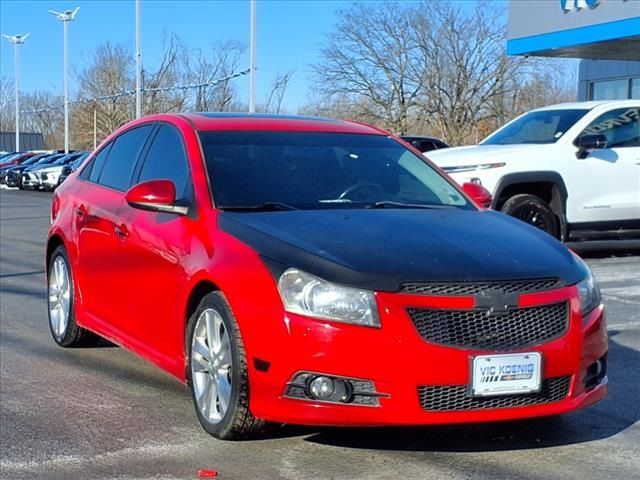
x=399 y=361
x=13 y=179
x=31 y=181
x=50 y=181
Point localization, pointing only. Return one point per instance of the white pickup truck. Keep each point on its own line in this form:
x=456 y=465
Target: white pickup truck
x=572 y=170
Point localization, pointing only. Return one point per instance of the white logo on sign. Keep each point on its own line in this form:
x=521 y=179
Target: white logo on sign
x=568 y=5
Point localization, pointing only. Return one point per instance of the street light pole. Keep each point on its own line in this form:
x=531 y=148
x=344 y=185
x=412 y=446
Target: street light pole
x=66 y=17
x=252 y=59
x=17 y=40
x=138 y=63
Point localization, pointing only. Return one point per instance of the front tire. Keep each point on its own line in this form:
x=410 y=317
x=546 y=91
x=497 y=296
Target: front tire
x=217 y=371
x=534 y=211
x=60 y=293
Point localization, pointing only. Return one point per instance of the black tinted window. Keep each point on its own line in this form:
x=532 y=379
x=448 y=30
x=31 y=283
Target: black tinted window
x=122 y=159
x=426 y=146
x=166 y=160
x=319 y=171
x=92 y=170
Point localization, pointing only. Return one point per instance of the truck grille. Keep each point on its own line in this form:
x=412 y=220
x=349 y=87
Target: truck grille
x=476 y=329
x=450 y=398
x=474 y=288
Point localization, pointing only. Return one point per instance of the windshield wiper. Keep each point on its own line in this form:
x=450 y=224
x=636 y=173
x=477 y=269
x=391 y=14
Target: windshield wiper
x=391 y=204
x=261 y=207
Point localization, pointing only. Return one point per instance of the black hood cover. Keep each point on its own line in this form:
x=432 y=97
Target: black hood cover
x=380 y=249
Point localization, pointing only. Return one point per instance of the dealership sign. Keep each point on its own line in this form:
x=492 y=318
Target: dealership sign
x=568 y=5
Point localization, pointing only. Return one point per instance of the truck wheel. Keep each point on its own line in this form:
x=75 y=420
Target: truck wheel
x=534 y=211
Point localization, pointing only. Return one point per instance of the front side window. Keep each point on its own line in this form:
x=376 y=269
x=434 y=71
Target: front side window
x=126 y=149
x=321 y=170
x=621 y=127
x=538 y=127
x=167 y=160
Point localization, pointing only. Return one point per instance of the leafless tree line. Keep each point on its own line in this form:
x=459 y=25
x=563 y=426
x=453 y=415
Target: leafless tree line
x=436 y=66
x=110 y=71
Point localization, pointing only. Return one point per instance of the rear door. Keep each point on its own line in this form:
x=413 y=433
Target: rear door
x=605 y=186
x=102 y=275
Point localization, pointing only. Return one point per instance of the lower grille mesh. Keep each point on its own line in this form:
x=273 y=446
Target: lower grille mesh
x=451 y=398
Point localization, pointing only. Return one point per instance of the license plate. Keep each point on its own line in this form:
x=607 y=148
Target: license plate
x=506 y=374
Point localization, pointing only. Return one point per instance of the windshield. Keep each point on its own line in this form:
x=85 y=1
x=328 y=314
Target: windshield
x=31 y=161
x=305 y=170
x=49 y=159
x=545 y=126
x=9 y=157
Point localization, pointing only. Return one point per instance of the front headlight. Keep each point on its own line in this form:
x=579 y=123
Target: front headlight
x=306 y=294
x=589 y=292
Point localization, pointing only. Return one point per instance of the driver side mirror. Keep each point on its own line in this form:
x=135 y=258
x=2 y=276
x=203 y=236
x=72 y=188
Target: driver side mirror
x=589 y=142
x=478 y=194
x=155 y=196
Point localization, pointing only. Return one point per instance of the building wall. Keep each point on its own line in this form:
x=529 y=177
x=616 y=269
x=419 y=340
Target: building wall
x=620 y=72
x=536 y=17
x=28 y=141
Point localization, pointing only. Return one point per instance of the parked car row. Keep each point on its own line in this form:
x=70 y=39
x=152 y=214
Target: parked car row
x=33 y=171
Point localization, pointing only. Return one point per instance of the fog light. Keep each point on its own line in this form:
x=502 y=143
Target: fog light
x=321 y=388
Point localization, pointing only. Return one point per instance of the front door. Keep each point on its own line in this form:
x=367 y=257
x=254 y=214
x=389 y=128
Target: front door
x=605 y=186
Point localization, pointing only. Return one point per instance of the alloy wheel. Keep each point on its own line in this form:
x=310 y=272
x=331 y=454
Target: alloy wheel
x=59 y=297
x=211 y=366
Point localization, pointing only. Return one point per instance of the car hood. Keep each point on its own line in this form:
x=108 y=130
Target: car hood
x=51 y=168
x=17 y=168
x=477 y=154
x=380 y=249
x=33 y=168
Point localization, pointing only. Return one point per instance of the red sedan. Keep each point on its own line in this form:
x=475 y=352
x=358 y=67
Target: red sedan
x=319 y=272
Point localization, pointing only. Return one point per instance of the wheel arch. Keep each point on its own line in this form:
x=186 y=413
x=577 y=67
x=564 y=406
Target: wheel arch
x=547 y=185
x=53 y=242
x=197 y=291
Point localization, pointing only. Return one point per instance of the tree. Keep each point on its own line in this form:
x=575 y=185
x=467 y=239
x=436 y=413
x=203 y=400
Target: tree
x=371 y=62
x=463 y=63
x=200 y=66
x=7 y=105
x=434 y=67
x=273 y=102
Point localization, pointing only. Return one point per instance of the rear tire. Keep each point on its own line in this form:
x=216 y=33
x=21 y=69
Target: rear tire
x=534 y=211
x=60 y=293
x=217 y=372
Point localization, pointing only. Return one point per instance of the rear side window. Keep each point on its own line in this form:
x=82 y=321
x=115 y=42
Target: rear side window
x=124 y=153
x=92 y=171
x=167 y=160
x=426 y=146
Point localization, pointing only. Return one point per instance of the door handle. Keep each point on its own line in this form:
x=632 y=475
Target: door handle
x=81 y=211
x=121 y=231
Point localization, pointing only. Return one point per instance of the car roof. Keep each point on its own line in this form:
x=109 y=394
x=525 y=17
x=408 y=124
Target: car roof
x=420 y=137
x=209 y=121
x=590 y=105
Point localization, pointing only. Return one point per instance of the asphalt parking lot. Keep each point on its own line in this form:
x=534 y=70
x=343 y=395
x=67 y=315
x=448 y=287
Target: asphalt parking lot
x=103 y=413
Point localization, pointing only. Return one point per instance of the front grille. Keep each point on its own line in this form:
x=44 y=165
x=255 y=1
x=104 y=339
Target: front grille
x=477 y=329
x=453 y=398
x=474 y=288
